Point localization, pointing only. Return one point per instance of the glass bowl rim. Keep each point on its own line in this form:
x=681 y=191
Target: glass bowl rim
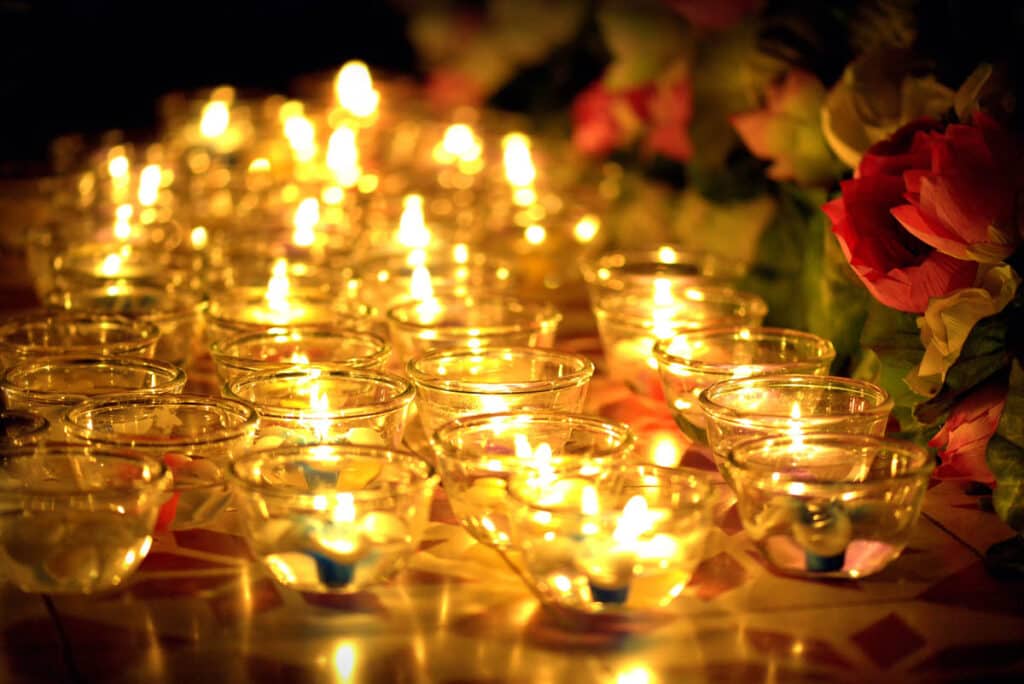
x=160 y=474
x=406 y=391
x=174 y=376
x=241 y=409
x=220 y=356
x=667 y=359
x=882 y=407
x=580 y=375
x=924 y=467
x=627 y=440
x=755 y=303
x=546 y=315
x=146 y=333
x=187 y=303
x=590 y=263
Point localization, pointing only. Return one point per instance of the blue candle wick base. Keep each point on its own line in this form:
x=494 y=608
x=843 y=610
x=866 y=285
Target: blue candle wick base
x=331 y=572
x=609 y=594
x=816 y=563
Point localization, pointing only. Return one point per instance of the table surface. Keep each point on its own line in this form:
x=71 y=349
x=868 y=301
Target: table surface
x=201 y=609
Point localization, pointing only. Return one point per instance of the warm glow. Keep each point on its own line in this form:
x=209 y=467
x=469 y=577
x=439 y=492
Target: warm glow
x=319 y=404
x=118 y=167
x=412 y=225
x=667 y=255
x=344 y=510
x=259 y=165
x=460 y=253
x=278 y=287
x=199 y=237
x=634 y=521
x=535 y=234
x=122 y=227
x=795 y=430
x=343 y=156
x=111 y=265
x=459 y=144
x=665 y=450
x=519 y=168
x=662 y=295
x=354 y=89
x=307 y=215
x=299 y=131
x=149 y=184
x=590 y=502
x=299 y=359
x=214 y=119
x=586 y=228
x=345 y=662
x=638 y=674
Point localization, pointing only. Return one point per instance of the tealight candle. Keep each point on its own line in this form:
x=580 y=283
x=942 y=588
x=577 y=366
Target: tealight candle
x=743 y=408
x=333 y=519
x=54 y=333
x=829 y=505
x=607 y=537
x=692 y=361
x=630 y=321
x=325 y=403
x=477 y=455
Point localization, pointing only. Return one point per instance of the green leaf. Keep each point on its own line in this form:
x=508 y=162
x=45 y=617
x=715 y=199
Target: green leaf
x=1011 y=424
x=1006 y=461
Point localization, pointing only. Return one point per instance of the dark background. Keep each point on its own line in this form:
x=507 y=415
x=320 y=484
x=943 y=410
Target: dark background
x=95 y=65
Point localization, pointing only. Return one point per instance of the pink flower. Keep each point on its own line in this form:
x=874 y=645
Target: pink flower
x=714 y=14
x=964 y=438
x=787 y=131
x=900 y=270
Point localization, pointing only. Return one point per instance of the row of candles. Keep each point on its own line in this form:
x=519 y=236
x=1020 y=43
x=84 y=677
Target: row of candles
x=323 y=343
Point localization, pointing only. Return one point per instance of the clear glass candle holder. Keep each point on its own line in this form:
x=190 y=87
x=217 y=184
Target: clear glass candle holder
x=744 y=408
x=333 y=519
x=326 y=403
x=53 y=333
x=692 y=361
x=104 y=264
x=828 y=505
x=279 y=348
x=630 y=321
x=19 y=428
x=248 y=310
x=459 y=382
x=76 y=519
x=50 y=385
x=379 y=282
x=195 y=436
x=473 y=321
x=629 y=269
x=176 y=313
x=476 y=456
x=608 y=538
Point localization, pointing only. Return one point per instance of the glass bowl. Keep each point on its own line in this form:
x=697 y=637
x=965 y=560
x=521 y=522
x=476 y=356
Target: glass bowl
x=333 y=519
x=476 y=456
x=175 y=313
x=243 y=310
x=52 y=333
x=195 y=436
x=326 y=403
x=744 y=408
x=18 y=428
x=829 y=505
x=609 y=537
x=692 y=361
x=50 y=385
x=630 y=321
x=279 y=348
x=459 y=382
x=620 y=270
x=76 y=519
x=473 y=321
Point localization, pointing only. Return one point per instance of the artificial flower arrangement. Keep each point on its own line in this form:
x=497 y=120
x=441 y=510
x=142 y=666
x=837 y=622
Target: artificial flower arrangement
x=864 y=157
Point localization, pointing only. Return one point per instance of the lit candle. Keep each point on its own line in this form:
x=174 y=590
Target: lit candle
x=354 y=90
x=609 y=563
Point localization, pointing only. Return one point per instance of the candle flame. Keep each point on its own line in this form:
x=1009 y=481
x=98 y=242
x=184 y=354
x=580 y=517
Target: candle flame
x=150 y=179
x=412 y=225
x=519 y=168
x=634 y=521
x=586 y=229
x=459 y=144
x=298 y=130
x=199 y=236
x=307 y=215
x=118 y=166
x=354 y=89
x=795 y=431
x=111 y=265
x=344 y=510
x=535 y=234
x=299 y=359
x=278 y=287
x=343 y=156
x=214 y=119
x=590 y=502
x=319 y=405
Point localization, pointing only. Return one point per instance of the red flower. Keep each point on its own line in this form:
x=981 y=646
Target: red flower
x=604 y=120
x=714 y=14
x=962 y=201
x=964 y=438
x=900 y=270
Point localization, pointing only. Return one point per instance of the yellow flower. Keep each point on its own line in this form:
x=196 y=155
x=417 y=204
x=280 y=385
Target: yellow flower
x=948 y=321
x=874 y=97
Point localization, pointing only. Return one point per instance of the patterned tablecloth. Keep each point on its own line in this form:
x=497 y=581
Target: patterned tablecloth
x=201 y=610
